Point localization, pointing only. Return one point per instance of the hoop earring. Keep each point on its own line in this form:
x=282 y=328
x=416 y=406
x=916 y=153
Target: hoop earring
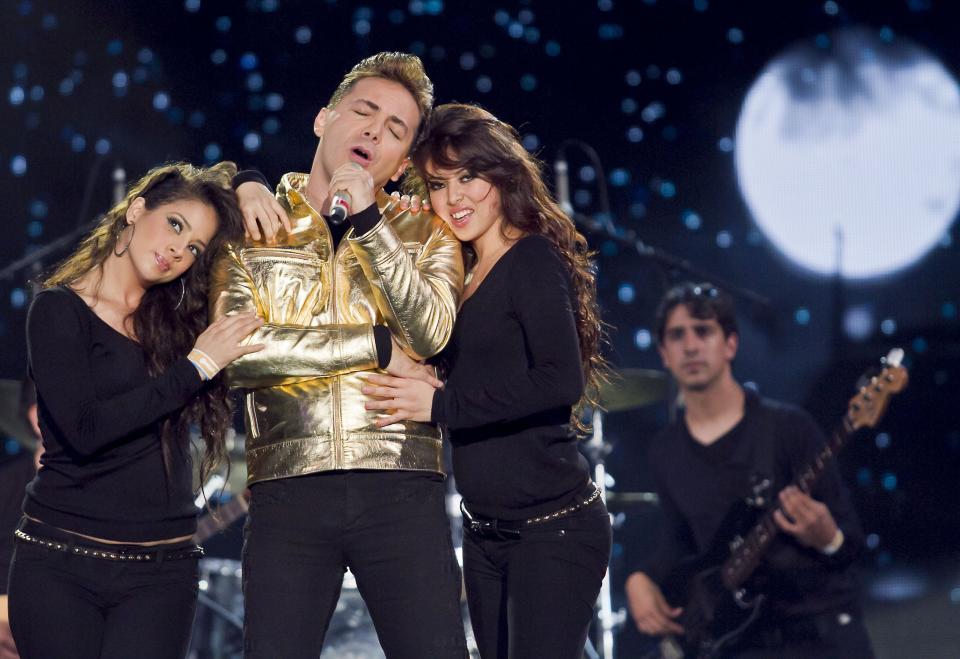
x=183 y=291
x=133 y=228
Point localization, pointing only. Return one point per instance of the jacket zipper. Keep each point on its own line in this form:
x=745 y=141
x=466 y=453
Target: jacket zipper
x=336 y=421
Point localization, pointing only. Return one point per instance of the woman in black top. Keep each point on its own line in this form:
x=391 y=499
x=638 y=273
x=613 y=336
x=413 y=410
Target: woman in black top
x=124 y=364
x=523 y=352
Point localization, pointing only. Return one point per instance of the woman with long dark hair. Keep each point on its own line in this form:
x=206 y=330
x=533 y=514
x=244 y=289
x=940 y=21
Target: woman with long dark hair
x=125 y=365
x=523 y=359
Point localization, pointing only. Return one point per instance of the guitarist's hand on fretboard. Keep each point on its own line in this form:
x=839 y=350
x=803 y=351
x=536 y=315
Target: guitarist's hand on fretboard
x=805 y=518
x=649 y=608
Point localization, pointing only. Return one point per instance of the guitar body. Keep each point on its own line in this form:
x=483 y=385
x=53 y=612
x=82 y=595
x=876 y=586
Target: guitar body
x=713 y=616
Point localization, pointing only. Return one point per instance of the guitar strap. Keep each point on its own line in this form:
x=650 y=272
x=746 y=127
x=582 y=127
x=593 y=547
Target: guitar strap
x=765 y=450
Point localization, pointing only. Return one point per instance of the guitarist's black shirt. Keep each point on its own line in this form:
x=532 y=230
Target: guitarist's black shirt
x=699 y=484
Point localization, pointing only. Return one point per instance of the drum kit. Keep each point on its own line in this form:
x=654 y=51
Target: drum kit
x=351 y=635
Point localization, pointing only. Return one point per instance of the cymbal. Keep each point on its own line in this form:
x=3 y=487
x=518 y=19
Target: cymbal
x=633 y=387
x=12 y=424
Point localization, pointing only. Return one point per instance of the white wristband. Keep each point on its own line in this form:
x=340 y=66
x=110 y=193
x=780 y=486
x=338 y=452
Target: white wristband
x=834 y=545
x=204 y=364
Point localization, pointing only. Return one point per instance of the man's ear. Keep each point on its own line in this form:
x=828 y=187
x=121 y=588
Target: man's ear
x=732 y=344
x=400 y=170
x=136 y=209
x=320 y=122
x=664 y=359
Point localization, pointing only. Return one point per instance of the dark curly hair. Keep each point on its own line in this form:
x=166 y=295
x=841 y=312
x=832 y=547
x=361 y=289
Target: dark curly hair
x=462 y=136
x=166 y=327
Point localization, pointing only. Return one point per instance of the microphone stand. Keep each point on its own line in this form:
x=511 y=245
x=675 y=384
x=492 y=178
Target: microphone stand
x=53 y=247
x=608 y=619
x=668 y=262
x=35 y=257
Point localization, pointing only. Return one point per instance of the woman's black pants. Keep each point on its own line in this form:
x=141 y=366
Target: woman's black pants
x=532 y=597
x=68 y=605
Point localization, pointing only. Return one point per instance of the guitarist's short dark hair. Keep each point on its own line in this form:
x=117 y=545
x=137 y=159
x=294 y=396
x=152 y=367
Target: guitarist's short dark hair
x=704 y=301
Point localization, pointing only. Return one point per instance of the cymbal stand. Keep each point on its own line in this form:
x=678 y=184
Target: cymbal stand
x=609 y=619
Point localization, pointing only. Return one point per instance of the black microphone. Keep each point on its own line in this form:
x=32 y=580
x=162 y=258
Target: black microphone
x=562 y=179
x=340 y=207
x=119 y=184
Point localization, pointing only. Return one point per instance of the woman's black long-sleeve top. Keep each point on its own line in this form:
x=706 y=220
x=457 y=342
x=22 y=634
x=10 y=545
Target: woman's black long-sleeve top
x=100 y=411
x=514 y=373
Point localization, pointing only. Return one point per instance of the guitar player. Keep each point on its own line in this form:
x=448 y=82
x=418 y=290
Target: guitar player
x=728 y=445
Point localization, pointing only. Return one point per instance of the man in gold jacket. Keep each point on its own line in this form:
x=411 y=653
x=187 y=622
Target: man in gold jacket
x=330 y=490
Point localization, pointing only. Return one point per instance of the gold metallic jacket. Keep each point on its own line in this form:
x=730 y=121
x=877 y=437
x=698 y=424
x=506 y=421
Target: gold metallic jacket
x=304 y=408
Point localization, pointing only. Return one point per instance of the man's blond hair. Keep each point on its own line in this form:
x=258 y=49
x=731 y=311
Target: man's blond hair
x=402 y=68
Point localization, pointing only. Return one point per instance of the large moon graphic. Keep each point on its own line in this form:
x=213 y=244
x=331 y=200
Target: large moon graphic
x=848 y=153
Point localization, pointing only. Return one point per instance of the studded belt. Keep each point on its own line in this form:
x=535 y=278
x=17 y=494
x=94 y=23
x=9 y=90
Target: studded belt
x=503 y=529
x=159 y=554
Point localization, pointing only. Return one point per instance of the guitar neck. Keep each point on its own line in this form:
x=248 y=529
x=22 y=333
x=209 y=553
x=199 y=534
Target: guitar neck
x=746 y=556
x=226 y=514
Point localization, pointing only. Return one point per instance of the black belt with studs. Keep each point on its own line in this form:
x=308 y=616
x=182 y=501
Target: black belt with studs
x=145 y=555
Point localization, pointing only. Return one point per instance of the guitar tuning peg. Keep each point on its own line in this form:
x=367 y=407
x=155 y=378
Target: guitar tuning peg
x=894 y=357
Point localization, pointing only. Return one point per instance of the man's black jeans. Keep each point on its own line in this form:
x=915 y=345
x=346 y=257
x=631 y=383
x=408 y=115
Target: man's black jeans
x=389 y=527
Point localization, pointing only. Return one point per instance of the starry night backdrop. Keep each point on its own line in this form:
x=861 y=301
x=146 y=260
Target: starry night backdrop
x=655 y=88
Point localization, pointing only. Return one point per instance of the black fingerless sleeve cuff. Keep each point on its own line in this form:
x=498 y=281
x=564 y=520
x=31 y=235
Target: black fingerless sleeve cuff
x=247 y=176
x=365 y=220
x=381 y=337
